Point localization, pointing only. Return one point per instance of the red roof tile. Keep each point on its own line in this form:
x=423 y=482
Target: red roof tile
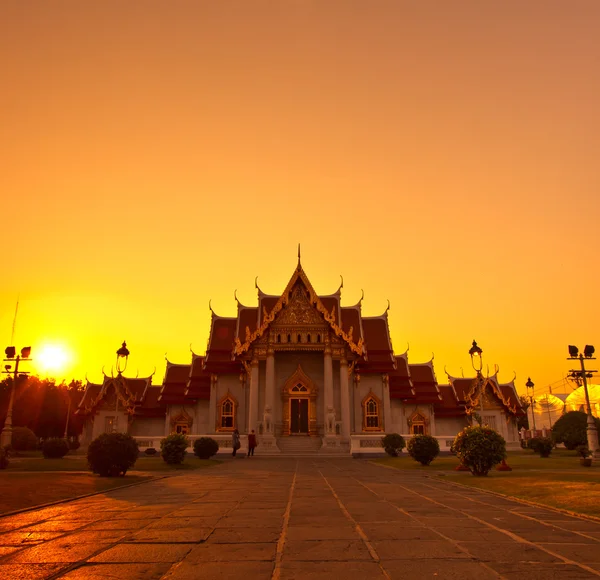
x=448 y=406
x=351 y=319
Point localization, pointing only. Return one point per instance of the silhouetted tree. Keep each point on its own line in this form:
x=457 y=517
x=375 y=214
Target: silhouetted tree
x=42 y=405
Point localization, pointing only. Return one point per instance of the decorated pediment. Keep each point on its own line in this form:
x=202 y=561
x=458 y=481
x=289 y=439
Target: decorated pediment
x=299 y=311
x=299 y=305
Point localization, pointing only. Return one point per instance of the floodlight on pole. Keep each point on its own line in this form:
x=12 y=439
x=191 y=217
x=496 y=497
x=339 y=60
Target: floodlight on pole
x=583 y=375
x=10 y=352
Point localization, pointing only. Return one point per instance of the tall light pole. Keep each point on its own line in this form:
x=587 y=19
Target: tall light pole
x=10 y=351
x=591 y=431
x=530 y=390
x=477 y=362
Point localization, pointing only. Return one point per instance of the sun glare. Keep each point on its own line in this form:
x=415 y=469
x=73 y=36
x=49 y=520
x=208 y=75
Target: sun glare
x=52 y=358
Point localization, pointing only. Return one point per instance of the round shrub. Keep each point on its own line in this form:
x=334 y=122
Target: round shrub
x=393 y=443
x=543 y=446
x=205 y=447
x=570 y=429
x=74 y=444
x=479 y=448
x=172 y=448
x=150 y=451
x=3 y=458
x=423 y=448
x=533 y=443
x=55 y=448
x=23 y=439
x=112 y=454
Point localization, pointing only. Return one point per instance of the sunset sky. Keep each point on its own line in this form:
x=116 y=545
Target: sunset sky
x=444 y=155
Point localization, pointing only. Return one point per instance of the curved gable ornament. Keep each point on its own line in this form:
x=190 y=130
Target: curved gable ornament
x=299 y=376
x=182 y=417
x=314 y=301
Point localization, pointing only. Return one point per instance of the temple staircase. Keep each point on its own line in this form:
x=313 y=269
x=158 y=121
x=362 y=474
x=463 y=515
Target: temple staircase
x=303 y=446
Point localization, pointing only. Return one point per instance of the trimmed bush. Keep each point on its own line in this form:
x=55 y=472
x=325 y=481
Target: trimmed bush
x=150 y=451
x=479 y=448
x=205 y=447
x=74 y=444
x=543 y=446
x=172 y=448
x=393 y=443
x=23 y=439
x=3 y=458
x=570 y=429
x=55 y=448
x=423 y=448
x=112 y=454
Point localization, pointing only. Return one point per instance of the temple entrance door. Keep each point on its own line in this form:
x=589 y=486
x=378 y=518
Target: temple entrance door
x=298 y=416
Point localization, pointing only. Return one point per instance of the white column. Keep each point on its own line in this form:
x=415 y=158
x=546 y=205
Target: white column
x=253 y=402
x=269 y=392
x=387 y=407
x=329 y=414
x=345 y=398
x=212 y=405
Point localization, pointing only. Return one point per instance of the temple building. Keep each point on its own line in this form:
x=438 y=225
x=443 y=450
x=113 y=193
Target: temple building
x=309 y=375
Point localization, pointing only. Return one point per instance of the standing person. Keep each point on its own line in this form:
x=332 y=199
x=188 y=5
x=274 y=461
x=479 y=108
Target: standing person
x=251 y=443
x=235 y=439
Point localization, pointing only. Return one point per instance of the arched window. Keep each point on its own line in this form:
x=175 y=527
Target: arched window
x=318 y=338
x=418 y=424
x=299 y=388
x=371 y=413
x=227 y=411
x=289 y=338
x=299 y=338
x=279 y=338
x=308 y=338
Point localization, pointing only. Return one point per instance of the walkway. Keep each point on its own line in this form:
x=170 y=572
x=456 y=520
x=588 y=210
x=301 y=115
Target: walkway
x=288 y=518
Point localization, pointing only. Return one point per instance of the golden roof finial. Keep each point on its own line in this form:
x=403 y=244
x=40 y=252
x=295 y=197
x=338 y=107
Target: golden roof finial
x=299 y=265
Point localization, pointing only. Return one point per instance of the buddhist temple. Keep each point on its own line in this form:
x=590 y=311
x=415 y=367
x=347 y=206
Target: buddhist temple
x=307 y=374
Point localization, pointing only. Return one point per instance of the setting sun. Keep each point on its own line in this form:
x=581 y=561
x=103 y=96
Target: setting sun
x=53 y=358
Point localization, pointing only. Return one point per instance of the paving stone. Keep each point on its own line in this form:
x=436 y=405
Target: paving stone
x=331 y=571
x=416 y=550
x=507 y=552
x=27 y=538
x=438 y=569
x=181 y=535
x=29 y=571
x=244 y=535
x=338 y=532
x=60 y=550
x=220 y=571
x=251 y=552
x=117 y=524
x=589 y=553
x=323 y=550
x=537 y=571
x=144 y=553
x=109 y=571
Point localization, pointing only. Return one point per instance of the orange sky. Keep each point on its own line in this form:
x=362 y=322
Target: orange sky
x=442 y=154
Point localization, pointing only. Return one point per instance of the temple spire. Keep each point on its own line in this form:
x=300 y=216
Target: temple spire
x=299 y=265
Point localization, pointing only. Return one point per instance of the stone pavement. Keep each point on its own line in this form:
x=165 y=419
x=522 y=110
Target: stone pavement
x=297 y=518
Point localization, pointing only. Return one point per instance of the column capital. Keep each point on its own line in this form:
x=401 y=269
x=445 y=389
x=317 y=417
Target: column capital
x=270 y=350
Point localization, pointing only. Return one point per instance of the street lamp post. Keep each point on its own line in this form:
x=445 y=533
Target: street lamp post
x=10 y=351
x=583 y=374
x=477 y=362
x=530 y=390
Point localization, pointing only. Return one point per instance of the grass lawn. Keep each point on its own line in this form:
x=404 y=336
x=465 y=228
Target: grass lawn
x=20 y=490
x=557 y=481
x=32 y=480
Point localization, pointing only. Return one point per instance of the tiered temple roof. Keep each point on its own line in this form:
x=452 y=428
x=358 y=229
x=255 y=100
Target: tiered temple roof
x=366 y=339
x=138 y=396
